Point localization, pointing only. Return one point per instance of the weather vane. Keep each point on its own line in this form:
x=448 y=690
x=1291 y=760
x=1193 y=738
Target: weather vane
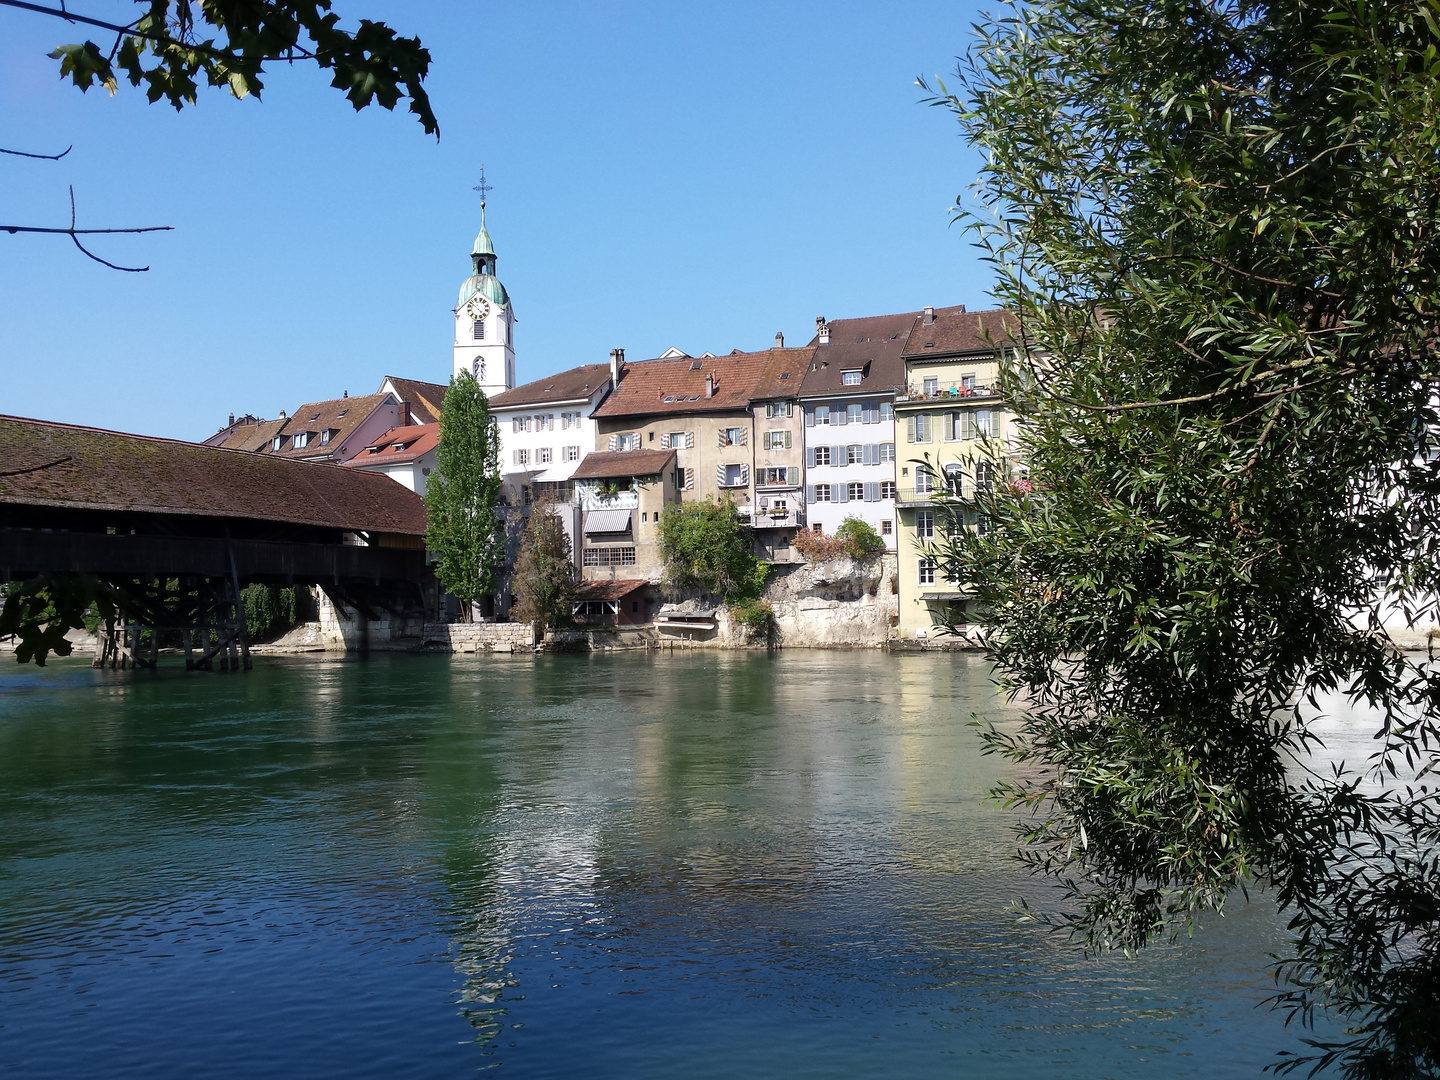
x=483 y=187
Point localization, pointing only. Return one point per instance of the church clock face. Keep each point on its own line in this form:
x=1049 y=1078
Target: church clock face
x=477 y=308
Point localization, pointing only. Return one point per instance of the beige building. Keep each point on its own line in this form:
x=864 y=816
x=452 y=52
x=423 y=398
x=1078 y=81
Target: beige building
x=777 y=479
x=620 y=496
x=953 y=432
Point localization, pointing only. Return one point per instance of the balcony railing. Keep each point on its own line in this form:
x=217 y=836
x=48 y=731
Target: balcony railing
x=620 y=500
x=956 y=394
x=790 y=518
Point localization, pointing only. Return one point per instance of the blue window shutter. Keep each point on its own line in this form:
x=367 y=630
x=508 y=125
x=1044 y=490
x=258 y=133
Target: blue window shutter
x=837 y=455
x=872 y=412
x=837 y=415
x=872 y=491
x=841 y=492
x=809 y=493
x=810 y=459
x=809 y=417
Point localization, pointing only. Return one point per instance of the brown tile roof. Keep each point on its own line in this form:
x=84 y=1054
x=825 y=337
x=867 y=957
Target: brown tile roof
x=424 y=398
x=608 y=590
x=872 y=344
x=398 y=445
x=610 y=464
x=340 y=415
x=251 y=437
x=956 y=332
x=661 y=387
x=573 y=385
x=784 y=373
x=61 y=465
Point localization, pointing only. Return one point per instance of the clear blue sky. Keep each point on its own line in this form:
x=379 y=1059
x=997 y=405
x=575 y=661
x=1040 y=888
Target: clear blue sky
x=664 y=174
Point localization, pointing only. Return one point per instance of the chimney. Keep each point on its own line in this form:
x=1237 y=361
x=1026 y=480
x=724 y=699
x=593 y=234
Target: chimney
x=710 y=385
x=345 y=394
x=822 y=329
x=617 y=363
x=232 y=419
x=779 y=340
x=929 y=314
x=282 y=414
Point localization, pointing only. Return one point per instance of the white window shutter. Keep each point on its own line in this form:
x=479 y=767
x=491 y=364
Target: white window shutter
x=720 y=475
x=723 y=440
x=789 y=408
x=614 y=442
x=745 y=474
x=744 y=437
x=664 y=442
x=689 y=440
x=689 y=479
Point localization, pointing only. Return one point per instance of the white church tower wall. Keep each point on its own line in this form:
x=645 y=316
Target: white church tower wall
x=485 y=321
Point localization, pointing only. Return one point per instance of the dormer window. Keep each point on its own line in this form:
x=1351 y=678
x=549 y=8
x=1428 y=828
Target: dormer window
x=851 y=378
x=302 y=440
x=477 y=330
x=325 y=438
x=277 y=442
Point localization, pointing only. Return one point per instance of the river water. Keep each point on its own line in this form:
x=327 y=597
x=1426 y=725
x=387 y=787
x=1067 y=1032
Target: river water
x=700 y=865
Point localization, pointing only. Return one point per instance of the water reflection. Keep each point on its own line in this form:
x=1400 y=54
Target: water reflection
x=615 y=865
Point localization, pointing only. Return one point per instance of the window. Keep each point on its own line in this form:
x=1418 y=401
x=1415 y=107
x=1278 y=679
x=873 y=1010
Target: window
x=776 y=440
x=887 y=412
x=924 y=524
x=887 y=489
x=983 y=423
x=477 y=368
x=982 y=524
x=822 y=493
x=545 y=422
x=924 y=480
x=325 y=438
x=851 y=378
x=955 y=480
x=822 y=455
x=967 y=382
x=734 y=475
x=887 y=527
x=572 y=453
x=779 y=408
x=608 y=556
x=932 y=387
x=854 y=414
x=984 y=476
x=817 y=528
x=517 y=425
x=302 y=440
x=855 y=492
x=522 y=457
x=542 y=456
x=477 y=330
x=854 y=454
x=733 y=436
x=920 y=428
x=627 y=442
x=927 y=572
x=680 y=479
x=822 y=415
x=278 y=442
x=505 y=321
x=887 y=452
x=777 y=477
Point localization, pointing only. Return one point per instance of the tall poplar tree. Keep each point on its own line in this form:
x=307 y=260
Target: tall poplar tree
x=465 y=532
x=1219 y=221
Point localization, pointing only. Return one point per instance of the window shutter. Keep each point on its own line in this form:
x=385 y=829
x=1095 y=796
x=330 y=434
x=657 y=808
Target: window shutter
x=720 y=475
x=614 y=442
x=745 y=474
x=910 y=429
x=664 y=442
x=792 y=476
x=837 y=415
x=872 y=413
x=744 y=437
x=787 y=439
x=967 y=424
x=837 y=455
x=789 y=408
x=769 y=410
x=872 y=491
x=689 y=479
x=840 y=492
x=810 y=458
x=809 y=417
x=947 y=433
x=809 y=493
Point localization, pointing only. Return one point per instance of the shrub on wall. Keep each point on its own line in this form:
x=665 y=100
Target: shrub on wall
x=854 y=538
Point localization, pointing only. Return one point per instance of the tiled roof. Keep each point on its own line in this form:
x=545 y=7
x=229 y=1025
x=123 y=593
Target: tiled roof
x=340 y=415
x=872 y=345
x=61 y=465
x=610 y=464
x=572 y=385
x=424 y=398
x=607 y=590
x=250 y=437
x=660 y=387
x=956 y=332
x=784 y=373
x=399 y=445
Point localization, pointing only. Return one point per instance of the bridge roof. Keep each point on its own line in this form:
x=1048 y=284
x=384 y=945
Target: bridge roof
x=81 y=468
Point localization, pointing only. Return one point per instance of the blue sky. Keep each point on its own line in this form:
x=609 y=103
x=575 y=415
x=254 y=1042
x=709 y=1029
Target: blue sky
x=665 y=174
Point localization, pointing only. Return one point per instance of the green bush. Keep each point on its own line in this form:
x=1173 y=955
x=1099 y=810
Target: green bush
x=706 y=545
x=271 y=610
x=755 y=615
x=859 y=537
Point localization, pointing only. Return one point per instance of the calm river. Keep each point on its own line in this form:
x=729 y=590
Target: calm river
x=612 y=866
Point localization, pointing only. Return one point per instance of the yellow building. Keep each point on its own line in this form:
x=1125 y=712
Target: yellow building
x=953 y=429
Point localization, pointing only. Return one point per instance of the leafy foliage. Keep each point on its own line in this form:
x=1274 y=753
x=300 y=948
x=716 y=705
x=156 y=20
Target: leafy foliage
x=855 y=539
x=1218 y=225
x=544 y=579
x=41 y=610
x=756 y=616
x=706 y=545
x=465 y=532
x=170 y=47
x=270 y=610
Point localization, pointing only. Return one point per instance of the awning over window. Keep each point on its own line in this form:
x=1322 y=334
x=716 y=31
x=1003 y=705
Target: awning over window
x=607 y=521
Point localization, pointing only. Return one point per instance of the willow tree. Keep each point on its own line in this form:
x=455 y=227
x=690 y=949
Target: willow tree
x=465 y=532
x=544 y=579
x=1220 y=226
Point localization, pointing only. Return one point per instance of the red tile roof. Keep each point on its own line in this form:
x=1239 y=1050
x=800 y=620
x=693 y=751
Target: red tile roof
x=575 y=384
x=784 y=373
x=340 y=415
x=63 y=465
x=610 y=464
x=956 y=332
x=424 y=398
x=661 y=387
x=399 y=445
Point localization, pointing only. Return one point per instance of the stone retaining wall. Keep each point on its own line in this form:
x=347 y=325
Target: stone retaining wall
x=480 y=637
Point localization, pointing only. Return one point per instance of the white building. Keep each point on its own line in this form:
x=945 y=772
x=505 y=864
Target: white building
x=405 y=454
x=485 y=321
x=546 y=430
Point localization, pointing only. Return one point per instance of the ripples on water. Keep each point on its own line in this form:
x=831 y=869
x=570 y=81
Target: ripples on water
x=697 y=866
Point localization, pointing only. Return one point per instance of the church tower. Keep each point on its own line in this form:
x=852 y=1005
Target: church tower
x=484 y=321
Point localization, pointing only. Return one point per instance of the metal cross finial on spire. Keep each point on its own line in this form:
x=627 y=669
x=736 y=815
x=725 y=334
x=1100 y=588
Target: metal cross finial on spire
x=483 y=187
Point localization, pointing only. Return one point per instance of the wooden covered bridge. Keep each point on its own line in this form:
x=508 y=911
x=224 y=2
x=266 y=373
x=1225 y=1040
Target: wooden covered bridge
x=181 y=528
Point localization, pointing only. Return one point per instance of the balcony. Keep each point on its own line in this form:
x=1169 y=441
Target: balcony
x=960 y=395
x=591 y=499
x=790 y=518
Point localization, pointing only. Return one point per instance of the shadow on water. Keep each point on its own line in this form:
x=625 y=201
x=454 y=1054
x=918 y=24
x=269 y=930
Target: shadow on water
x=624 y=865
